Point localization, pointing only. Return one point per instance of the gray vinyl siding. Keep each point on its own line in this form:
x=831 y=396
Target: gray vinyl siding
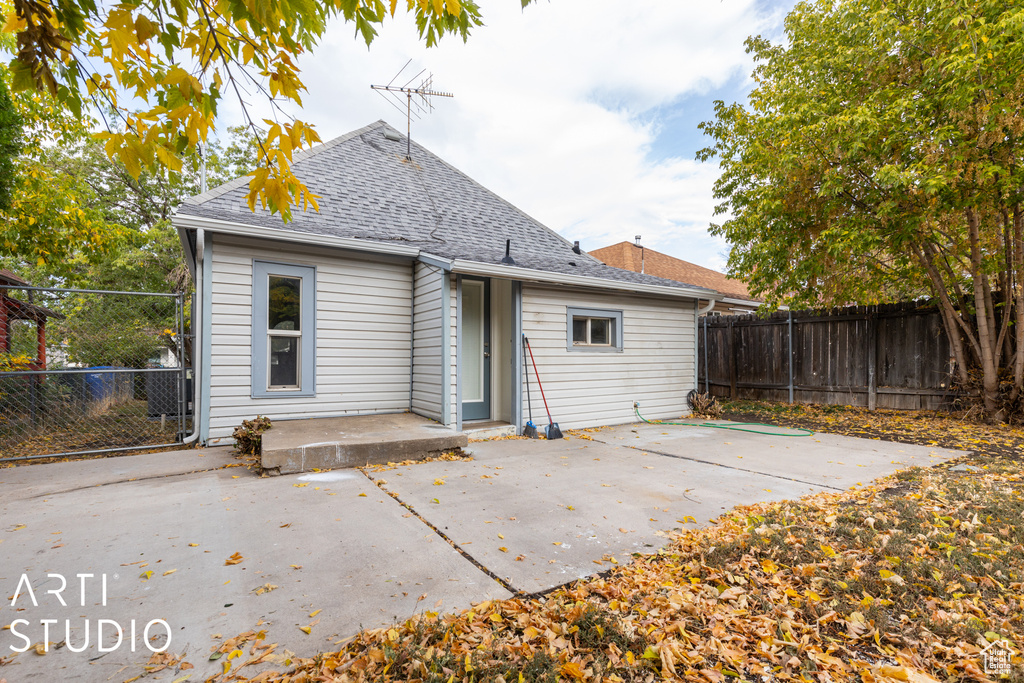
x=363 y=345
x=428 y=356
x=584 y=389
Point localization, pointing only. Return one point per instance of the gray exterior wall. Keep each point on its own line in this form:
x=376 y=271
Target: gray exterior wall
x=428 y=345
x=363 y=341
x=588 y=389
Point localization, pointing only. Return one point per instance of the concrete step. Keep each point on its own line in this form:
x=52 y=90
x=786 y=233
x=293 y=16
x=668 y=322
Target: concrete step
x=336 y=442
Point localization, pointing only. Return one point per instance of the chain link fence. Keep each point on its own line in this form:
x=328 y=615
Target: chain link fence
x=85 y=371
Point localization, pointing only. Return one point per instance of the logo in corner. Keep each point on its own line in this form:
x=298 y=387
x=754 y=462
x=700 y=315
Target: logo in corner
x=996 y=657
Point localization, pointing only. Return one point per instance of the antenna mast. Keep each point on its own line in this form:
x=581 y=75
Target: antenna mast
x=424 y=91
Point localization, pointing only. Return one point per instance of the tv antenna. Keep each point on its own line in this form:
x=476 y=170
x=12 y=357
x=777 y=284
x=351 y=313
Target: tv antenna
x=414 y=107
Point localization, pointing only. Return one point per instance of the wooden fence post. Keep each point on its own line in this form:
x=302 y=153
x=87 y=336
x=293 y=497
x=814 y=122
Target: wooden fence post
x=872 y=343
x=733 y=394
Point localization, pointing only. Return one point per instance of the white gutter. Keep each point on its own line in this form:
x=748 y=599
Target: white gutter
x=306 y=238
x=741 y=302
x=707 y=309
x=530 y=275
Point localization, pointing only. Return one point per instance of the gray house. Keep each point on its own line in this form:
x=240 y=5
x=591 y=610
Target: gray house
x=397 y=296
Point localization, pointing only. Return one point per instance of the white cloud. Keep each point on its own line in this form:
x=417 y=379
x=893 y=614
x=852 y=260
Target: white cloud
x=553 y=107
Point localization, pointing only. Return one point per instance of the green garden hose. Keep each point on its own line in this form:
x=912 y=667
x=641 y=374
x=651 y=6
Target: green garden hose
x=735 y=427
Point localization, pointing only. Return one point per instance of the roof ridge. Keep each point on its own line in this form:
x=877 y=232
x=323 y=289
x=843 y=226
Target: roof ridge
x=301 y=155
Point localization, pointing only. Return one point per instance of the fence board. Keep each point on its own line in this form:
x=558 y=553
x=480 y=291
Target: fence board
x=891 y=356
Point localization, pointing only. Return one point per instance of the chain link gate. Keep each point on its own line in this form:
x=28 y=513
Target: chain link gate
x=91 y=371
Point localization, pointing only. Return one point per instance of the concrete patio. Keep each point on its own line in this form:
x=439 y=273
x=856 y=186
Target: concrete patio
x=344 y=550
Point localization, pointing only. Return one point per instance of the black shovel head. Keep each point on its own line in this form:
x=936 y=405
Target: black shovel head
x=553 y=432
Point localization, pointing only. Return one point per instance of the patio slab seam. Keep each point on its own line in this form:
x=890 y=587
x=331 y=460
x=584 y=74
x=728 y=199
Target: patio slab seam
x=168 y=475
x=728 y=467
x=476 y=563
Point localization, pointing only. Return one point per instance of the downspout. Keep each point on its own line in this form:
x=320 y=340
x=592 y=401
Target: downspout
x=197 y=334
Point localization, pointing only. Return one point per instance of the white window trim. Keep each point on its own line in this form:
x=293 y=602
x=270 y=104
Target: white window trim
x=615 y=344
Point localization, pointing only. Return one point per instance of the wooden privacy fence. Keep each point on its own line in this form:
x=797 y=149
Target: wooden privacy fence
x=890 y=356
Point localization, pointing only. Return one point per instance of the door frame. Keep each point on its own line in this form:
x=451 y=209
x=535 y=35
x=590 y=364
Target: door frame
x=487 y=364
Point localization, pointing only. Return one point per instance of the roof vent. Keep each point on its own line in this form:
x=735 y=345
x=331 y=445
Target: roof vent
x=392 y=135
x=572 y=263
x=576 y=247
x=508 y=257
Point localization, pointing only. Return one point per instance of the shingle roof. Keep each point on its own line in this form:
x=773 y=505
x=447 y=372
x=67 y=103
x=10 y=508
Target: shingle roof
x=627 y=255
x=9 y=278
x=369 y=190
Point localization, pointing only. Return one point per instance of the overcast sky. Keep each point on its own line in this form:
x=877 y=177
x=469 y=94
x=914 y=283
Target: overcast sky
x=583 y=113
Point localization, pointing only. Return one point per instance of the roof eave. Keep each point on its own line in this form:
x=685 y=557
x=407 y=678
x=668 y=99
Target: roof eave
x=189 y=222
x=464 y=267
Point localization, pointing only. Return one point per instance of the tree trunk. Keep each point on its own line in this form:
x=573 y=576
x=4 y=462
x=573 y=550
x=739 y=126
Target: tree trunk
x=985 y=320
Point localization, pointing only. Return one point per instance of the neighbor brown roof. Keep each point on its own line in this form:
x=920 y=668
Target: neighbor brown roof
x=626 y=255
x=9 y=278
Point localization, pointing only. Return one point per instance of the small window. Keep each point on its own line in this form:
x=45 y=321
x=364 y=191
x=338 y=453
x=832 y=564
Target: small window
x=594 y=330
x=283 y=330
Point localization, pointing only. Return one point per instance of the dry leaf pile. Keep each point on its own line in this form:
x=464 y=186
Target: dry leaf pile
x=905 y=580
x=454 y=455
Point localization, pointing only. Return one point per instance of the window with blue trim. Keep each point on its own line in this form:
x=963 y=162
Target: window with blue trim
x=591 y=329
x=283 y=330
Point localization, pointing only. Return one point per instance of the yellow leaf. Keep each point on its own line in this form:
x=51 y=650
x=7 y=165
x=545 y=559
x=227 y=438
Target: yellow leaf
x=234 y=559
x=15 y=23
x=897 y=672
x=314 y=613
x=503 y=549
x=145 y=575
x=572 y=669
x=306 y=629
x=170 y=571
